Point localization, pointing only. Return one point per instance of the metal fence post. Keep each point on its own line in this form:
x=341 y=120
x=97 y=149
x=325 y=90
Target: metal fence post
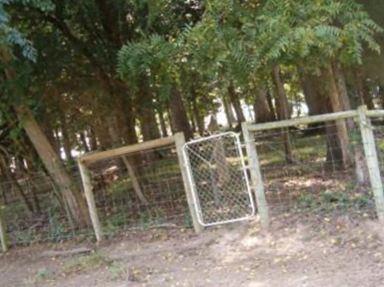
x=180 y=141
x=87 y=184
x=3 y=236
x=256 y=177
x=372 y=160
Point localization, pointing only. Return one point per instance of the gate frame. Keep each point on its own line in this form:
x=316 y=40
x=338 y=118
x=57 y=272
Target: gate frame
x=362 y=115
x=177 y=139
x=191 y=181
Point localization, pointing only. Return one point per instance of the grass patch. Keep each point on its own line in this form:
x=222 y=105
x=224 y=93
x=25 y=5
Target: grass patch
x=329 y=201
x=44 y=274
x=117 y=271
x=86 y=263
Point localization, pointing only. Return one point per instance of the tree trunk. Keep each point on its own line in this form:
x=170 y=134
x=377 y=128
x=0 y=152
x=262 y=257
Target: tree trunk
x=261 y=107
x=228 y=112
x=341 y=86
x=234 y=99
x=192 y=121
x=29 y=186
x=124 y=120
x=337 y=105
x=220 y=175
x=130 y=167
x=281 y=99
x=51 y=135
x=127 y=118
x=322 y=105
x=135 y=182
x=71 y=194
x=113 y=131
x=101 y=130
x=92 y=139
x=317 y=103
x=83 y=139
x=313 y=98
x=179 y=116
x=381 y=95
x=148 y=123
x=2 y=189
x=334 y=153
x=163 y=125
x=362 y=89
x=147 y=113
x=198 y=117
x=283 y=111
x=361 y=168
x=270 y=105
x=33 y=162
x=11 y=178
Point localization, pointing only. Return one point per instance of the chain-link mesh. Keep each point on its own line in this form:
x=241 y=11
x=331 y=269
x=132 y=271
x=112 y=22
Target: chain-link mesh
x=218 y=179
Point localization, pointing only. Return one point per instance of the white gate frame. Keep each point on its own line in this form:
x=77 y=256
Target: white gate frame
x=192 y=184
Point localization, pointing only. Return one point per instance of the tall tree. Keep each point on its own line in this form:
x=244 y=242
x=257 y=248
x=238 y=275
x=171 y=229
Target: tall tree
x=14 y=96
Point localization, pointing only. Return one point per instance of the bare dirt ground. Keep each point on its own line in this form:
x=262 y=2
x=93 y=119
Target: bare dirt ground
x=295 y=251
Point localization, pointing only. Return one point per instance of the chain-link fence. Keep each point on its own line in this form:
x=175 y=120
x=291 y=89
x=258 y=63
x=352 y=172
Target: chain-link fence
x=218 y=179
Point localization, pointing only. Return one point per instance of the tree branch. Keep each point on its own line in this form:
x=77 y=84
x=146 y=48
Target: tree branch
x=108 y=20
x=60 y=24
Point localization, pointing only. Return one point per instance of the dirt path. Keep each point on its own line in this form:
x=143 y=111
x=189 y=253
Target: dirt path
x=318 y=252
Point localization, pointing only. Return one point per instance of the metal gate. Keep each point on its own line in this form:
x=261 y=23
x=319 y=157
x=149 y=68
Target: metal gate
x=218 y=179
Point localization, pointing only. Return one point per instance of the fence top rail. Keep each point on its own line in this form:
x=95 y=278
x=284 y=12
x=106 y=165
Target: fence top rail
x=125 y=150
x=375 y=113
x=302 y=121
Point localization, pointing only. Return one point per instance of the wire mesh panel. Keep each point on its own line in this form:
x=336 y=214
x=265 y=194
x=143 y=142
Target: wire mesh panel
x=140 y=190
x=218 y=179
x=33 y=211
x=307 y=172
x=378 y=130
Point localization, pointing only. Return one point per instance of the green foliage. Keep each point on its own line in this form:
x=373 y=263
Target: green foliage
x=188 y=219
x=44 y=274
x=325 y=29
x=58 y=229
x=117 y=270
x=75 y=62
x=114 y=224
x=88 y=262
x=153 y=58
x=330 y=201
x=11 y=37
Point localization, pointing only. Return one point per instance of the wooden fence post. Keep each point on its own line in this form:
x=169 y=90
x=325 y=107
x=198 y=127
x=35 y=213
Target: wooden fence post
x=180 y=141
x=87 y=184
x=256 y=177
x=372 y=160
x=3 y=236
